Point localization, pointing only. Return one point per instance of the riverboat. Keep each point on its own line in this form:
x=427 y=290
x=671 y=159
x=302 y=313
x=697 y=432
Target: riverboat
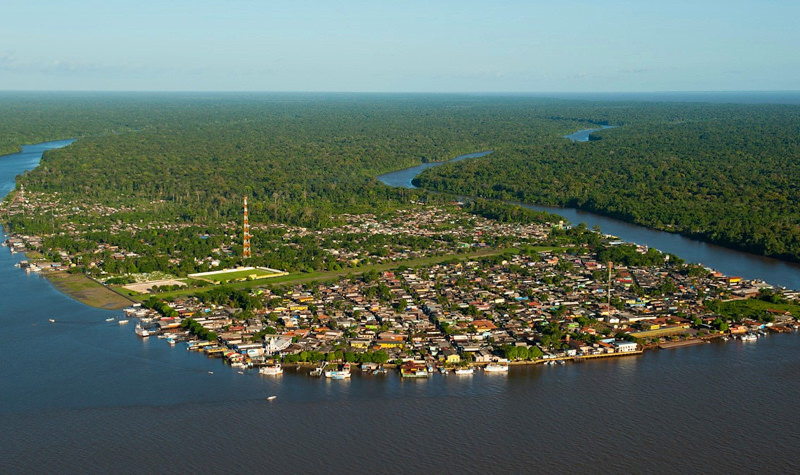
x=271 y=370
x=342 y=373
x=413 y=370
x=141 y=331
x=496 y=368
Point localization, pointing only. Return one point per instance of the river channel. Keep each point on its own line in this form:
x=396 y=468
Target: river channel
x=83 y=395
x=728 y=261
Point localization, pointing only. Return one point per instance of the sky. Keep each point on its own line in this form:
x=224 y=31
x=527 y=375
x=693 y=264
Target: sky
x=400 y=46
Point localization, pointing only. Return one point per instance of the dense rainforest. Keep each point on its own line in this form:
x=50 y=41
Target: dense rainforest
x=729 y=174
x=724 y=173
x=300 y=158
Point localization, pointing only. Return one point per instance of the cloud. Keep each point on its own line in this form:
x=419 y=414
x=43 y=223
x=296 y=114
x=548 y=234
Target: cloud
x=9 y=62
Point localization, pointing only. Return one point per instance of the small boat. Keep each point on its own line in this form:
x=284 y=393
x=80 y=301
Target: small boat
x=410 y=369
x=443 y=370
x=496 y=368
x=271 y=370
x=464 y=371
x=123 y=322
x=341 y=373
x=210 y=372
x=52 y=320
x=110 y=319
x=271 y=398
x=141 y=331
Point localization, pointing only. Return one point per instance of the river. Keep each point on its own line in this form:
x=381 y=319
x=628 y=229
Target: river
x=83 y=395
x=728 y=261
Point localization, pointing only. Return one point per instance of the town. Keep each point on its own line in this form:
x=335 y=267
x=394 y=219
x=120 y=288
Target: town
x=542 y=307
x=425 y=288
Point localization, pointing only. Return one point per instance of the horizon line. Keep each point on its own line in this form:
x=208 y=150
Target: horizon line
x=222 y=91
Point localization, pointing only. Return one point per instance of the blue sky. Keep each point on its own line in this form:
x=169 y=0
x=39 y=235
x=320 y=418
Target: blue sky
x=398 y=46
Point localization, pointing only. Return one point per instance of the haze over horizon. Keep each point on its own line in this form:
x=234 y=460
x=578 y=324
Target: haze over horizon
x=362 y=46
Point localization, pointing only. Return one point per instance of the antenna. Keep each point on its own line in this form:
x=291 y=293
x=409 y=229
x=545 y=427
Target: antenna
x=610 y=265
x=246 y=238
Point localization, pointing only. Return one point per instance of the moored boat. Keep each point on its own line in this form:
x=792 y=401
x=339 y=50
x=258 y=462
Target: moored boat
x=271 y=370
x=410 y=369
x=141 y=331
x=464 y=371
x=341 y=373
x=496 y=368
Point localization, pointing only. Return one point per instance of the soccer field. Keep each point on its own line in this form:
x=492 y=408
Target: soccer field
x=239 y=274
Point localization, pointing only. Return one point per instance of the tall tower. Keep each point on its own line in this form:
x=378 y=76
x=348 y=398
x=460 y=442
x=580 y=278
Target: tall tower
x=246 y=237
x=610 y=265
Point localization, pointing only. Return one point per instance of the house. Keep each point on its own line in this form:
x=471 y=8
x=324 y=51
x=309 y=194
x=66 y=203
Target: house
x=451 y=357
x=624 y=346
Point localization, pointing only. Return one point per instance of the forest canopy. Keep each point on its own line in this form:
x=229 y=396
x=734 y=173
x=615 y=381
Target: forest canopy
x=721 y=172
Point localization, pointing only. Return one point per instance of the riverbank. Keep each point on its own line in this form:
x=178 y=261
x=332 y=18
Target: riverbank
x=87 y=291
x=692 y=248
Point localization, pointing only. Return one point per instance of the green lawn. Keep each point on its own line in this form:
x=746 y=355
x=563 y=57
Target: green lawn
x=753 y=308
x=238 y=274
x=300 y=277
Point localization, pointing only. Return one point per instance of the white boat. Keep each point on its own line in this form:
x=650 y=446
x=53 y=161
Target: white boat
x=123 y=322
x=271 y=370
x=464 y=371
x=52 y=320
x=110 y=319
x=749 y=337
x=271 y=398
x=141 y=331
x=171 y=340
x=342 y=373
x=496 y=368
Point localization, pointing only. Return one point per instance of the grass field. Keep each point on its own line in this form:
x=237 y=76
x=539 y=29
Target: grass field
x=235 y=275
x=301 y=277
x=753 y=308
x=86 y=290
